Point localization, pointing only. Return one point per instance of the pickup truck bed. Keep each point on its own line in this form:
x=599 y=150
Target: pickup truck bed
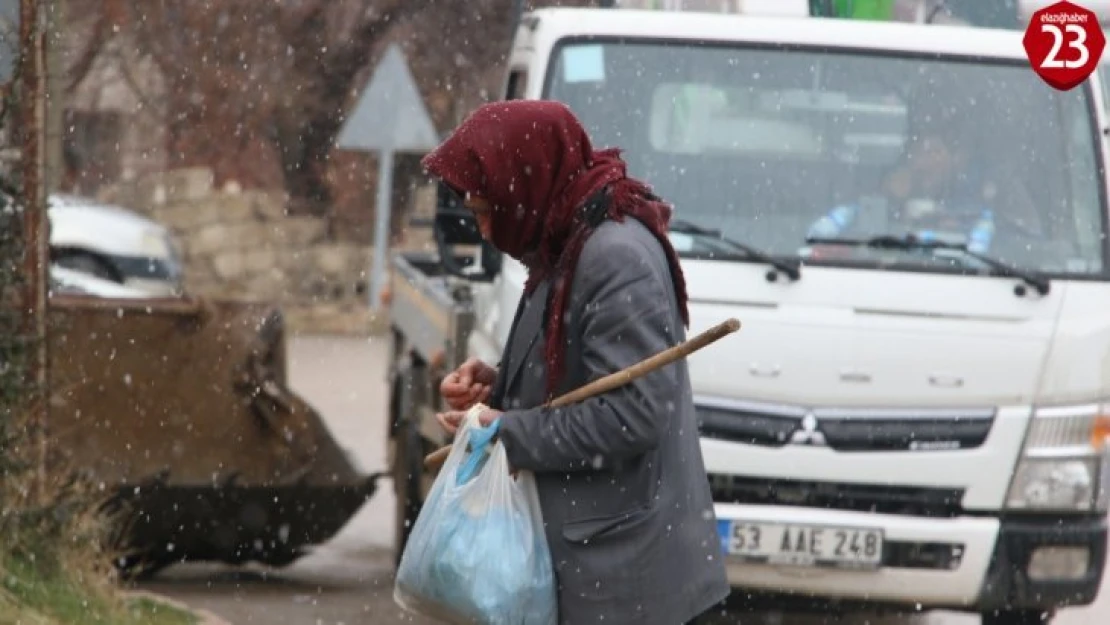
x=430 y=310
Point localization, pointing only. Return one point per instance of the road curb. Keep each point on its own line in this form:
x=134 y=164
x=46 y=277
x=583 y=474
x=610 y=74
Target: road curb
x=204 y=617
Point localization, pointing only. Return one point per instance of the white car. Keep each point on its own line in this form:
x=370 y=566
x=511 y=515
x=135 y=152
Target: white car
x=72 y=281
x=113 y=244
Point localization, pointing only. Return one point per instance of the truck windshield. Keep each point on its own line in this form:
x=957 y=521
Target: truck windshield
x=774 y=146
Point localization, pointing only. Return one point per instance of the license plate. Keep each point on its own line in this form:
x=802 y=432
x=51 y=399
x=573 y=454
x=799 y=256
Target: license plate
x=802 y=545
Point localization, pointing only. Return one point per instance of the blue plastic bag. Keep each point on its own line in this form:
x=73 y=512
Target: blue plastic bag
x=477 y=552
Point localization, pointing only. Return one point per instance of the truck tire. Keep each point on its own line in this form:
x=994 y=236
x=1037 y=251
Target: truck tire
x=394 y=374
x=408 y=465
x=1017 y=617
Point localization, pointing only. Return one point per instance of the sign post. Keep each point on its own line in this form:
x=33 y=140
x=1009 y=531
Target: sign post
x=1064 y=43
x=382 y=210
x=389 y=118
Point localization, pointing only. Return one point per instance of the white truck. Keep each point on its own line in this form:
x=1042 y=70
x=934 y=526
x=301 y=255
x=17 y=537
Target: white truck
x=899 y=423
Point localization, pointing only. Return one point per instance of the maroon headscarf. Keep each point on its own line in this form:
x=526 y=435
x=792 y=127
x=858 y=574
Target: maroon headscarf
x=533 y=162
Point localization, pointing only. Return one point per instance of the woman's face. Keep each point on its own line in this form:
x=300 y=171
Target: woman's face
x=482 y=214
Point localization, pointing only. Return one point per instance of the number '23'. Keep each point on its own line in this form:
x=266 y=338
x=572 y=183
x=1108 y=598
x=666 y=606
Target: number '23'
x=1079 y=43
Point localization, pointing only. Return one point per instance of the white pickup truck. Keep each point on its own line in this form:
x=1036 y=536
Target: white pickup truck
x=906 y=421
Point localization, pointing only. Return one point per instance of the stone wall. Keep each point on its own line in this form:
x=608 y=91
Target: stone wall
x=241 y=245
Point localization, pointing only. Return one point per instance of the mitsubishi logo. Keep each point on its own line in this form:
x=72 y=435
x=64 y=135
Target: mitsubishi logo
x=808 y=434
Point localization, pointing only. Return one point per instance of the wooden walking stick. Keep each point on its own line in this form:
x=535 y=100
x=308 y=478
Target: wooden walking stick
x=434 y=460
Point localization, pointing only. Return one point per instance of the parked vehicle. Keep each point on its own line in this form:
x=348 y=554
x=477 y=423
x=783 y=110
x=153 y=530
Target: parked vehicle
x=180 y=407
x=903 y=421
x=113 y=243
x=64 y=280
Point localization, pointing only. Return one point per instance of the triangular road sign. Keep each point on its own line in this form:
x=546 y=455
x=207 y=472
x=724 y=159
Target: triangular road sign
x=390 y=114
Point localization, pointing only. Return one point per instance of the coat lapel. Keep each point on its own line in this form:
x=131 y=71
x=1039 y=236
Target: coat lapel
x=529 y=327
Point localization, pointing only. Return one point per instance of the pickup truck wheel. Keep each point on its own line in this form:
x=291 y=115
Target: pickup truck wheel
x=406 y=476
x=1017 y=617
x=407 y=467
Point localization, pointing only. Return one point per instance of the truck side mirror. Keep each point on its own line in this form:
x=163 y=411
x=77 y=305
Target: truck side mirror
x=455 y=228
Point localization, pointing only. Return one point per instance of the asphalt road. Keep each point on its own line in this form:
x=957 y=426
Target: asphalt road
x=348 y=581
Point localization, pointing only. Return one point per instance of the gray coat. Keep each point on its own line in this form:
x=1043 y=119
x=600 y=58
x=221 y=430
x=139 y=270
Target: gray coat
x=621 y=480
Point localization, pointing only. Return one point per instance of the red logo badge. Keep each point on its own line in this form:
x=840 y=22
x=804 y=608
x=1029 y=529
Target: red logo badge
x=1064 y=43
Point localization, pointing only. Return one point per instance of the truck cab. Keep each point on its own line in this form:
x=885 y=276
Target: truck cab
x=913 y=417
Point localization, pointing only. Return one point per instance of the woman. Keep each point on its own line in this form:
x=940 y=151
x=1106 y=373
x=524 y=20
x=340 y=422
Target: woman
x=626 y=503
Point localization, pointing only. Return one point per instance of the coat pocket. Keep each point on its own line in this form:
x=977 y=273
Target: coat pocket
x=602 y=561
x=583 y=531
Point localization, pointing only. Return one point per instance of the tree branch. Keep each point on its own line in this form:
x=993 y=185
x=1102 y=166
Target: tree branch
x=344 y=64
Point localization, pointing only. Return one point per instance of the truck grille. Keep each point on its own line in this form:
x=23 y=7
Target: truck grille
x=903 y=500
x=848 y=430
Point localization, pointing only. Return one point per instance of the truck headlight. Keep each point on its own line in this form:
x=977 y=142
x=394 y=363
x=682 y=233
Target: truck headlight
x=1063 y=465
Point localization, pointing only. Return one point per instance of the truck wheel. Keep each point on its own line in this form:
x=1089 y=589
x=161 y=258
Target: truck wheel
x=408 y=465
x=1017 y=617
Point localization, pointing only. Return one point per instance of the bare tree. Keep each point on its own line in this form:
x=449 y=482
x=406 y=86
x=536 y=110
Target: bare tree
x=258 y=91
x=251 y=93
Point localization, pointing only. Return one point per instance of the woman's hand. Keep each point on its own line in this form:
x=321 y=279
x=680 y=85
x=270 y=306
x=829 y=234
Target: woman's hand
x=470 y=384
x=452 y=419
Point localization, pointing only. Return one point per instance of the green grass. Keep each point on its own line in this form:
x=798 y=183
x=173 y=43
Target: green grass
x=28 y=596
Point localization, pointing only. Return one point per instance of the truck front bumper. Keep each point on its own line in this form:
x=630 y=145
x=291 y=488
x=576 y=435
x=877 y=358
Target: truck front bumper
x=1008 y=583
x=966 y=563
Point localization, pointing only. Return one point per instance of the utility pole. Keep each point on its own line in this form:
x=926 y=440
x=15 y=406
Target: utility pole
x=53 y=84
x=32 y=108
